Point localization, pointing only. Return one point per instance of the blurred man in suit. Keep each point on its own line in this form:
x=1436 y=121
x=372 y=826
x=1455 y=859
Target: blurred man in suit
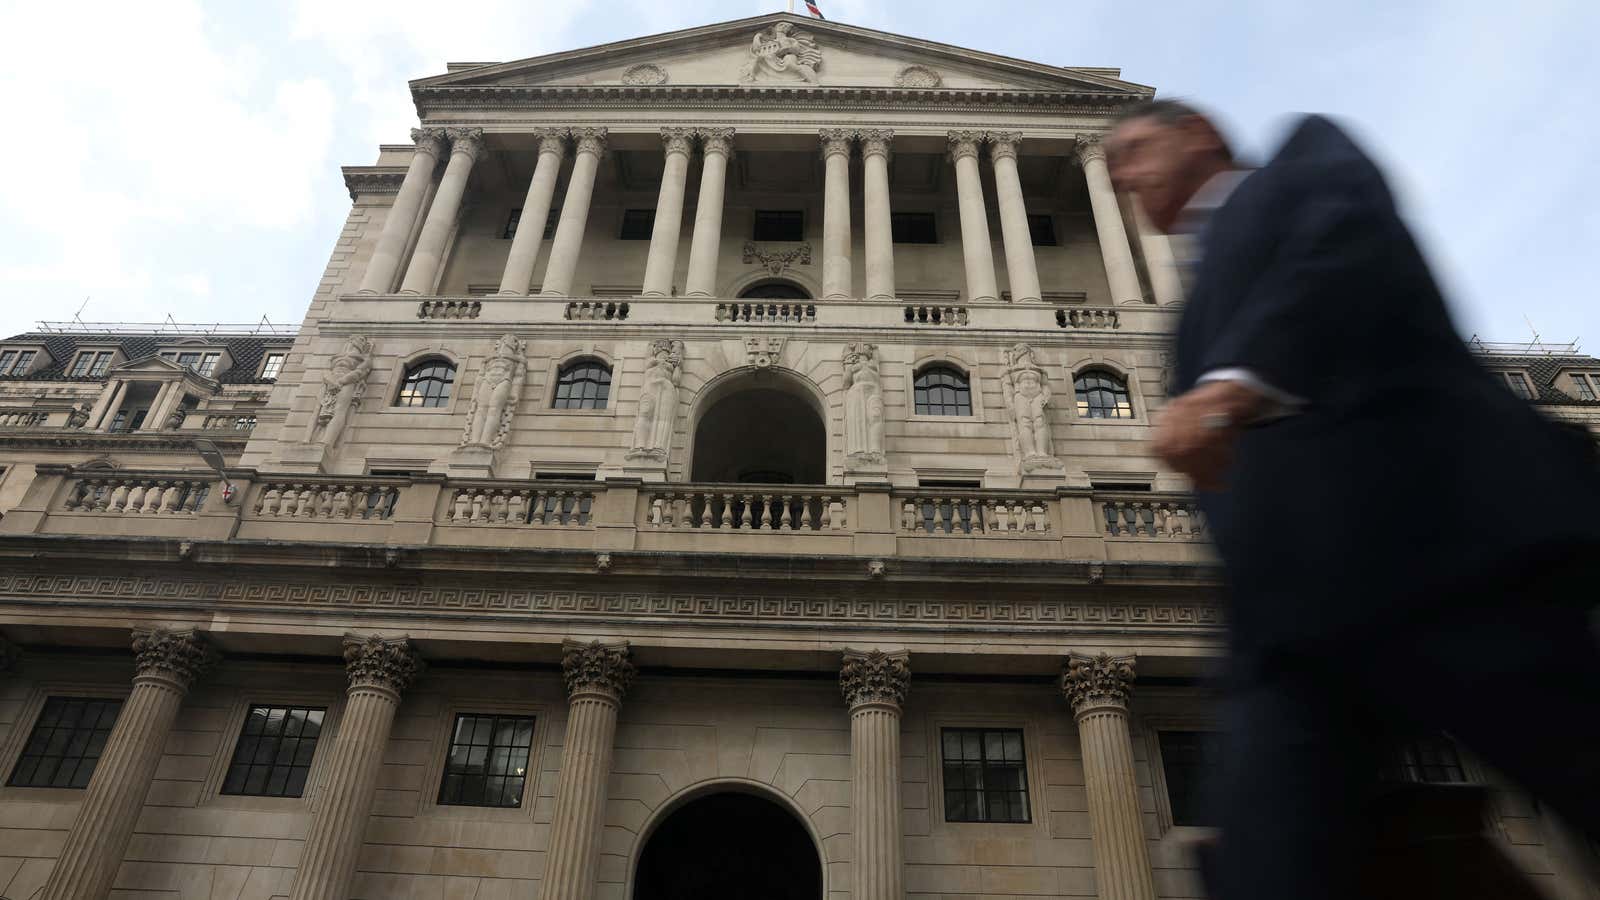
x=1409 y=548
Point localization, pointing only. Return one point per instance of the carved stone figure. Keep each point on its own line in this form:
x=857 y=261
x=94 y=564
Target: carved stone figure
x=175 y=419
x=78 y=416
x=863 y=405
x=658 y=401
x=1027 y=397
x=783 y=50
x=494 y=403
x=342 y=390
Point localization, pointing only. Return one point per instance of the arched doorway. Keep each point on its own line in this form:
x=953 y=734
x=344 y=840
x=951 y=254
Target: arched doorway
x=774 y=290
x=760 y=428
x=729 y=846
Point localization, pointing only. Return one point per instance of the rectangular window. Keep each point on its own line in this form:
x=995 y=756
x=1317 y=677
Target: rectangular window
x=1519 y=385
x=1042 y=228
x=1587 y=385
x=189 y=360
x=208 y=364
x=637 y=224
x=274 y=752
x=16 y=362
x=510 y=231
x=80 y=366
x=1188 y=759
x=780 y=225
x=66 y=743
x=7 y=357
x=102 y=362
x=119 y=421
x=913 y=228
x=1429 y=760
x=985 y=775
x=273 y=365
x=138 y=419
x=488 y=761
x=244 y=423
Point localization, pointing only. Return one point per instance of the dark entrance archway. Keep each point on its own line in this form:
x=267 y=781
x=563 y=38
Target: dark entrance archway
x=729 y=846
x=775 y=290
x=763 y=429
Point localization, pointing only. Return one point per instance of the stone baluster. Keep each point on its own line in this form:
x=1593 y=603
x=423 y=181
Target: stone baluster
x=535 y=213
x=836 y=275
x=379 y=670
x=1022 y=270
x=166 y=663
x=878 y=233
x=568 y=242
x=716 y=146
x=1098 y=688
x=466 y=146
x=597 y=676
x=380 y=274
x=875 y=685
x=1114 y=249
x=664 y=234
x=976 y=248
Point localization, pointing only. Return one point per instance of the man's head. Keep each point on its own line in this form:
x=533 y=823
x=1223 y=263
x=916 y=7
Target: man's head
x=1162 y=151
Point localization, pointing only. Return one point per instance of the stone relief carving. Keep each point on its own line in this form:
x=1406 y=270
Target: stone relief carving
x=79 y=415
x=494 y=403
x=385 y=663
x=644 y=74
x=1097 y=680
x=596 y=668
x=782 y=51
x=863 y=405
x=918 y=77
x=875 y=677
x=658 y=402
x=181 y=656
x=762 y=352
x=342 y=389
x=175 y=419
x=776 y=261
x=1027 y=396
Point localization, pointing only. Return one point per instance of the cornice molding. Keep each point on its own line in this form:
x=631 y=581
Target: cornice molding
x=372 y=179
x=227 y=439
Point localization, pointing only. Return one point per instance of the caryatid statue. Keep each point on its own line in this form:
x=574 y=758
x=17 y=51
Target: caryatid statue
x=342 y=389
x=494 y=403
x=863 y=405
x=783 y=50
x=658 y=401
x=1027 y=396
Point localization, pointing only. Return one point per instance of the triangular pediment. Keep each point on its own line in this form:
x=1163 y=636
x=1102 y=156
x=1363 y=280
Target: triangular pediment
x=148 y=364
x=785 y=51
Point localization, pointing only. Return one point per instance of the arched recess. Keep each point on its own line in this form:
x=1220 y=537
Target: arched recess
x=752 y=420
x=791 y=278
x=747 y=795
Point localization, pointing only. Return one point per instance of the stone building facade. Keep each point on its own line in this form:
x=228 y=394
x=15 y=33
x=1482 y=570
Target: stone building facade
x=710 y=459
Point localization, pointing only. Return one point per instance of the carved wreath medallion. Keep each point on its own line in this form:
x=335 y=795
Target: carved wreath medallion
x=918 y=77
x=645 y=74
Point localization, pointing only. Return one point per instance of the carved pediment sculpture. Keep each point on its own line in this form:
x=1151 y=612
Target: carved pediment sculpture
x=1027 y=397
x=762 y=352
x=784 y=53
x=658 y=402
x=776 y=261
x=342 y=389
x=494 y=402
x=863 y=405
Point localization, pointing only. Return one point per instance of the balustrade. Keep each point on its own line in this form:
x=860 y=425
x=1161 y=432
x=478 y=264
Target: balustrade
x=290 y=500
x=767 y=313
x=1152 y=517
x=942 y=513
x=449 y=309
x=23 y=418
x=936 y=315
x=132 y=495
x=597 y=310
x=552 y=508
x=746 y=510
x=1087 y=318
x=229 y=422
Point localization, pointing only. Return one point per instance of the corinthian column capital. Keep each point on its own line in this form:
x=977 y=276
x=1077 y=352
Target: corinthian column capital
x=836 y=141
x=388 y=664
x=677 y=140
x=596 y=668
x=875 y=677
x=1090 y=682
x=875 y=142
x=467 y=140
x=590 y=139
x=716 y=140
x=1089 y=148
x=964 y=144
x=429 y=140
x=1003 y=144
x=178 y=656
x=552 y=140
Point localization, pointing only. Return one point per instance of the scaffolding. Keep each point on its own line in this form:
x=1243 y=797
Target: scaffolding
x=1534 y=347
x=78 y=326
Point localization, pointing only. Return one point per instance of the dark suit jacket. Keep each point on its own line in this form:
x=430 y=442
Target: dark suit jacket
x=1411 y=475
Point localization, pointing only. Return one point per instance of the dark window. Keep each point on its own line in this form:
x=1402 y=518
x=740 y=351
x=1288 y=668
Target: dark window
x=274 y=752
x=780 y=225
x=1431 y=760
x=272 y=366
x=637 y=224
x=549 y=227
x=585 y=384
x=1519 y=385
x=16 y=362
x=1042 y=228
x=913 y=228
x=138 y=419
x=208 y=364
x=102 y=362
x=510 y=231
x=488 y=761
x=1188 y=758
x=942 y=391
x=985 y=775
x=244 y=423
x=1120 y=485
x=1102 y=395
x=189 y=361
x=427 y=384
x=1586 y=387
x=80 y=366
x=119 y=421
x=7 y=358
x=66 y=743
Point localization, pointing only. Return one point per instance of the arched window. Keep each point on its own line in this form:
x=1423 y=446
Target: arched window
x=942 y=391
x=583 y=384
x=1102 y=395
x=427 y=383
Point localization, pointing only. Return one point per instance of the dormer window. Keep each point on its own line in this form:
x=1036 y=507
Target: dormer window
x=203 y=362
x=91 y=364
x=1518 y=383
x=16 y=362
x=1585 y=385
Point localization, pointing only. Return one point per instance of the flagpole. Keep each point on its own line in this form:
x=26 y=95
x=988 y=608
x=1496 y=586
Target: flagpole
x=791 y=7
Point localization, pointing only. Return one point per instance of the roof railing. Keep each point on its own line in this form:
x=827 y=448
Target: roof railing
x=1523 y=348
x=261 y=328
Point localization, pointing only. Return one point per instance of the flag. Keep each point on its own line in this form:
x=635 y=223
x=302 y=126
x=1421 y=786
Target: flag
x=811 y=6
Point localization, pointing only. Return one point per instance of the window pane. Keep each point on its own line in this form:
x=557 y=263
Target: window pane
x=273 y=365
x=1188 y=760
x=913 y=228
x=1101 y=395
x=941 y=391
x=779 y=225
x=637 y=224
x=510 y=231
x=427 y=384
x=275 y=743
x=484 y=750
x=1586 y=388
x=65 y=743
x=585 y=384
x=985 y=775
x=1042 y=229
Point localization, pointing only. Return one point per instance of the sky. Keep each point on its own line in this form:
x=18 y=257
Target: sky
x=180 y=158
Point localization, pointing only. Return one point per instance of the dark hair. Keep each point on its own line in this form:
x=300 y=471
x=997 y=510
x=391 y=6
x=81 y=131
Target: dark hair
x=1170 y=112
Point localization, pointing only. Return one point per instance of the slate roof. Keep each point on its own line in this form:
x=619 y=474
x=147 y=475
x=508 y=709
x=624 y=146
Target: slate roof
x=246 y=350
x=1542 y=369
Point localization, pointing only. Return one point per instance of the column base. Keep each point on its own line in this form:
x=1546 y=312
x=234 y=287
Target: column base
x=302 y=458
x=472 y=461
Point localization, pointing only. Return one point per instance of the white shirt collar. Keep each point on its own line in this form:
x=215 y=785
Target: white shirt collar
x=1210 y=198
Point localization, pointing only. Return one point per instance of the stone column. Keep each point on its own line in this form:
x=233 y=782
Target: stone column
x=976 y=248
x=1114 y=248
x=1165 y=282
x=568 y=242
x=466 y=145
x=597 y=676
x=379 y=277
x=669 y=213
x=875 y=685
x=158 y=407
x=836 y=275
x=716 y=145
x=165 y=663
x=108 y=413
x=1022 y=270
x=1098 y=689
x=535 y=213
x=379 y=669
x=878 y=234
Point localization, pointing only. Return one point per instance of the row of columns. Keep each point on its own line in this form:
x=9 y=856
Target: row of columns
x=716 y=144
x=874 y=683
